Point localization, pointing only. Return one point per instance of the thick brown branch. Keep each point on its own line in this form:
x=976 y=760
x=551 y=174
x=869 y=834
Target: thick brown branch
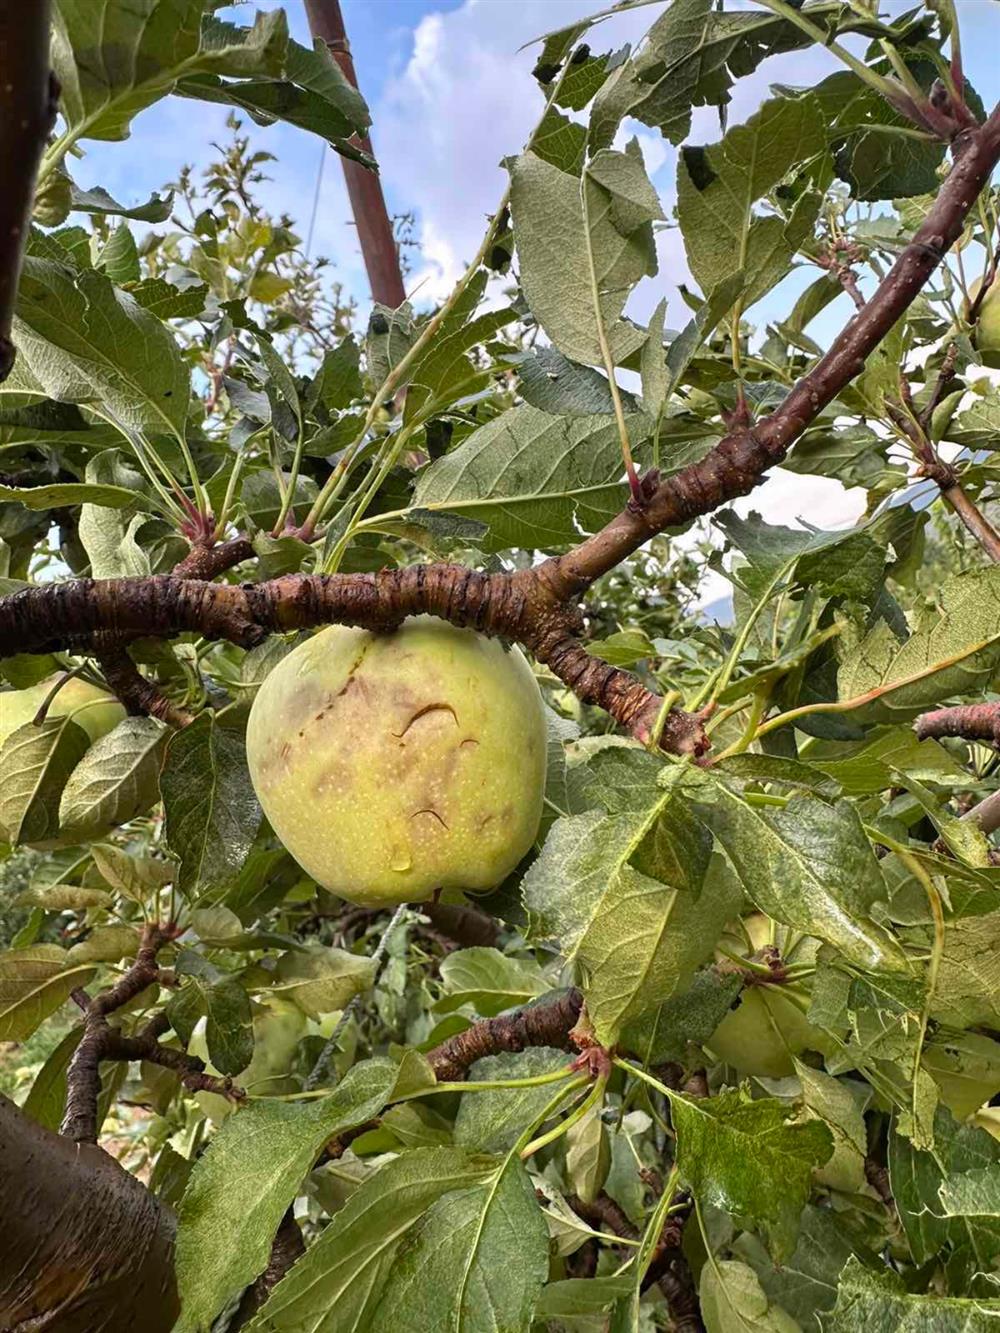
x=736 y=465
x=547 y=1023
x=139 y=695
x=208 y=562
x=286 y=1247
x=29 y=98
x=86 y=1246
x=83 y=1079
x=517 y=606
x=532 y=607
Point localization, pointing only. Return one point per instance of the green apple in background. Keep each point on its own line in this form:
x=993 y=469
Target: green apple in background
x=392 y=765
x=93 y=709
x=766 y=1029
x=987 y=332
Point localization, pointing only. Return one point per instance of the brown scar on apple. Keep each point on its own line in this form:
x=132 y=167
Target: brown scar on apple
x=423 y=712
x=429 y=811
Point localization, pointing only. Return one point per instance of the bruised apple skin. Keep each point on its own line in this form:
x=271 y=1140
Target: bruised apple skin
x=91 y=708
x=392 y=765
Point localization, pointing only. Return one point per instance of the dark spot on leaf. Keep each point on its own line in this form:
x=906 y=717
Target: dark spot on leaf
x=699 y=167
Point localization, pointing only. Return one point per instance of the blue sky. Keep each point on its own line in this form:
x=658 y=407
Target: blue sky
x=451 y=95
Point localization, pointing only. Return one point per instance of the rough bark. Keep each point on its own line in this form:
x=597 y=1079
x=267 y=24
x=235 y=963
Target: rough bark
x=29 y=96
x=547 y=1023
x=86 y=1247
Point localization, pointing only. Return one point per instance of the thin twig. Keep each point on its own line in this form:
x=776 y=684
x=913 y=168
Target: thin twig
x=351 y=1008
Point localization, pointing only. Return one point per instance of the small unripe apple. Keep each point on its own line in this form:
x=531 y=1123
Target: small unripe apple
x=91 y=708
x=987 y=335
x=766 y=1029
x=392 y=765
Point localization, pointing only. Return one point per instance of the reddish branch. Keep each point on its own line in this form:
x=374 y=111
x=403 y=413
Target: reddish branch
x=668 y=1267
x=915 y=427
x=100 y=1041
x=208 y=562
x=29 y=98
x=972 y=722
x=140 y=696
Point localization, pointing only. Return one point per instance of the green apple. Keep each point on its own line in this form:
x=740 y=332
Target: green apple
x=987 y=334
x=766 y=1029
x=93 y=709
x=393 y=765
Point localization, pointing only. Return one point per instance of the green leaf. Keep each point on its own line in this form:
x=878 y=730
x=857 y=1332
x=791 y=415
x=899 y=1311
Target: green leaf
x=229 y=1030
x=865 y=767
x=808 y=865
x=718 y=188
x=65 y=898
x=87 y=341
x=97 y=200
x=537 y=480
x=337 y=1285
x=879 y=1303
x=972 y=1194
x=554 y=384
x=690 y=1017
x=61 y=495
x=34 y=983
x=968 y=990
x=832 y=1102
x=243 y=1183
x=106 y=944
x=588 y=1155
x=954 y=649
x=689 y=58
x=488 y=980
x=747 y=1157
x=872 y=151
x=118 y=257
x=475 y=1263
x=321 y=979
x=804 y=1285
x=628 y=899
x=581 y=1296
x=494 y=1120
x=444 y=372
x=211 y=812
x=338 y=381
x=846 y=563
x=917 y=1177
x=99 y=94
x=35 y=764
x=165 y=301
x=137 y=877
x=46 y=1099
x=557 y=236
x=116 y=780
x=732 y=1298
x=313 y=93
